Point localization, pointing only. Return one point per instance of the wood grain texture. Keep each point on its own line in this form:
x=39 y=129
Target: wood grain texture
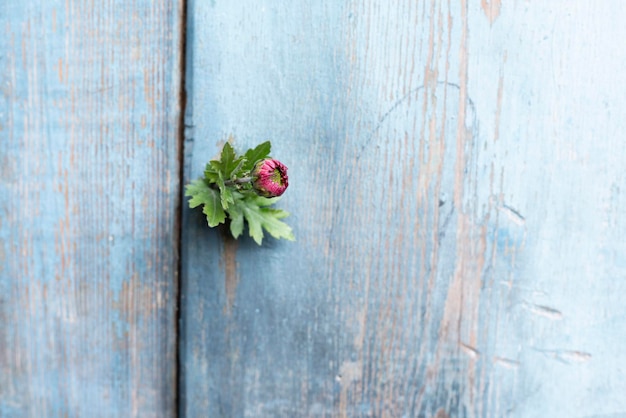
x=457 y=192
x=89 y=163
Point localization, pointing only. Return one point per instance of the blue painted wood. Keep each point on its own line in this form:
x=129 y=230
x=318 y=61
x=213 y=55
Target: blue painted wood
x=456 y=189
x=89 y=110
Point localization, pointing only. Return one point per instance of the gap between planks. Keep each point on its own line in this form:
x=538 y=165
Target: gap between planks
x=182 y=66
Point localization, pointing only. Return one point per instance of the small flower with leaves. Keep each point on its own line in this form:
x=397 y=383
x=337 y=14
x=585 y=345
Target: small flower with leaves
x=237 y=188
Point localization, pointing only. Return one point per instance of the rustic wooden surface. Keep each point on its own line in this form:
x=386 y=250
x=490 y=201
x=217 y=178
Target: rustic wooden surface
x=457 y=191
x=89 y=188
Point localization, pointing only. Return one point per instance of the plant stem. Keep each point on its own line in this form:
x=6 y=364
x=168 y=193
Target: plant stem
x=242 y=180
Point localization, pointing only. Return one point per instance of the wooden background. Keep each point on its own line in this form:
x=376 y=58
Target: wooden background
x=457 y=190
x=89 y=202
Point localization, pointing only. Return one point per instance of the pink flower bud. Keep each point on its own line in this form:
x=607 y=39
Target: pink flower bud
x=270 y=178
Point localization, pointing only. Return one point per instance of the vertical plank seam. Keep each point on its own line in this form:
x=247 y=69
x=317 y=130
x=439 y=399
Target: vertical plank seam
x=181 y=195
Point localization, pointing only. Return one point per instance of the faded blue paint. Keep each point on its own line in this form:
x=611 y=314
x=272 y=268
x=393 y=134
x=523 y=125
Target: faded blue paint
x=443 y=265
x=88 y=196
x=278 y=65
x=442 y=268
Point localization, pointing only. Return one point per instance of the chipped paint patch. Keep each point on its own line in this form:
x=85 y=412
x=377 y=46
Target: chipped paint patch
x=491 y=9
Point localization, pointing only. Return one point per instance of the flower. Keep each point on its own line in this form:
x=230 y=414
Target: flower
x=270 y=178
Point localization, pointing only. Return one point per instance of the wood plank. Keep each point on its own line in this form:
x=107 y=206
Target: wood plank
x=456 y=189
x=89 y=115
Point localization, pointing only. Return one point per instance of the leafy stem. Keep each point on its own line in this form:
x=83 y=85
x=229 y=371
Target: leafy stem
x=238 y=181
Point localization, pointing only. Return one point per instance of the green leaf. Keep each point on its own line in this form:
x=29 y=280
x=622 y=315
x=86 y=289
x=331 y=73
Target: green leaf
x=216 y=166
x=256 y=154
x=226 y=195
x=264 y=201
x=237 y=170
x=210 y=173
x=236 y=221
x=276 y=228
x=198 y=191
x=229 y=162
x=230 y=166
x=277 y=213
x=260 y=217
x=227 y=158
x=221 y=171
x=202 y=194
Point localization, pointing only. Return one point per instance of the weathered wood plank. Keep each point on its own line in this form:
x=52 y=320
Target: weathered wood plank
x=89 y=114
x=456 y=185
